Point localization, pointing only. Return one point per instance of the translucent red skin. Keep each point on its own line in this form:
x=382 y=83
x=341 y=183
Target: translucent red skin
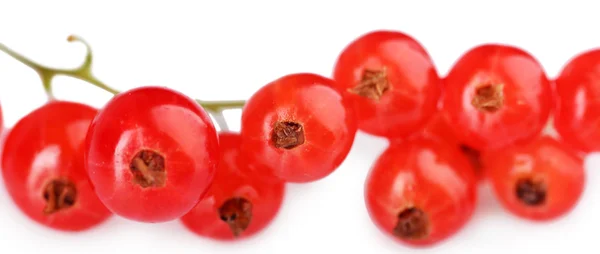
x=415 y=83
x=439 y=129
x=544 y=157
x=233 y=179
x=162 y=120
x=426 y=174
x=527 y=97
x=46 y=144
x=577 y=112
x=308 y=99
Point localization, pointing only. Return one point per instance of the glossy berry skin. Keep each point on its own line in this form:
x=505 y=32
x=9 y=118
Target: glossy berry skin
x=45 y=147
x=420 y=192
x=298 y=128
x=439 y=129
x=211 y=218
x=496 y=95
x=390 y=81
x=577 y=113
x=541 y=180
x=151 y=153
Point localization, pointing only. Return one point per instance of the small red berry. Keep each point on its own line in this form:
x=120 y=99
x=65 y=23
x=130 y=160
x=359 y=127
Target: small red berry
x=43 y=168
x=151 y=154
x=421 y=191
x=238 y=204
x=390 y=81
x=298 y=128
x=540 y=180
x=439 y=129
x=577 y=113
x=496 y=95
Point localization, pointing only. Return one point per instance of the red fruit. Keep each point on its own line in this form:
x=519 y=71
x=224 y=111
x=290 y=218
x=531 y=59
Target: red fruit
x=298 y=128
x=390 y=81
x=151 y=154
x=577 y=113
x=439 y=129
x=496 y=95
x=43 y=168
x=541 y=180
x=238 y=204
x=421 y=191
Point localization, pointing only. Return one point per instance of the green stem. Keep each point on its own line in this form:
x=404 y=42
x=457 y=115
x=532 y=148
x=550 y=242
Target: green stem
x=84 y=72
x=216 y=106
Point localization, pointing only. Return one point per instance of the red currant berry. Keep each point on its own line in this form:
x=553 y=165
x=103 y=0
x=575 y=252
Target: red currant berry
x=238 y=204
x=151 y=154
x=390 y=81
x=577 y=113
x=43 y=167
x=541 y=180
x=496 y=95
x=439 y=129
x=421 y=191
x=298 y=128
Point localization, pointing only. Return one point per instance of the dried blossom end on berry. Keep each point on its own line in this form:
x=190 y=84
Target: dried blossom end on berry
x=531 y=192
x=287 y=135
x=148 y=169
x=488 y=98
x=237 y=213
x=59 y=194
x=373 y=84
x=412 y=224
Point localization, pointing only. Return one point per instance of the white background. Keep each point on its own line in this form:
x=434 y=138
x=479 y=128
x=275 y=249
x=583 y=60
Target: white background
x=224 y=50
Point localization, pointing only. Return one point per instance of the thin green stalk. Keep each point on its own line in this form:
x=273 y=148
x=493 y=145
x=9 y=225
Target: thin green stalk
x=84 y=72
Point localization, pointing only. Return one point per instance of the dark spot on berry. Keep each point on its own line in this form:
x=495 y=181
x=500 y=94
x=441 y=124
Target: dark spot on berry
x=148 y=169
x=59 y=194
x=373 y=84
x=488 y=98
x=530 y=192
x=412 y=224
x=237 y=213
x=287 y=135
x=474 y=157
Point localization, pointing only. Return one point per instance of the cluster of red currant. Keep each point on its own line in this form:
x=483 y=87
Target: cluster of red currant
x=152 y=154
